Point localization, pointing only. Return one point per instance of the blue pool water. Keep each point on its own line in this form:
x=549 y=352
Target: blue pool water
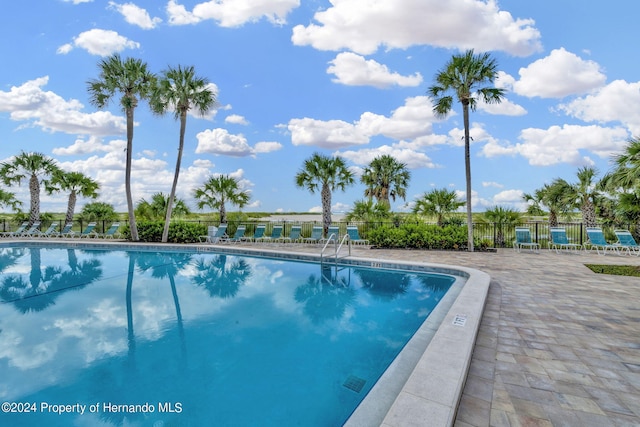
x=125 y=338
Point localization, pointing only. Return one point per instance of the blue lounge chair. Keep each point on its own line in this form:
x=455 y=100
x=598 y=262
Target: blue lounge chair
x=560 y=241
x=32 y=231
x=523 y=239
x=237 y=236
x=112 y=232
x=257 y=234
x=67 y=231
x=627 y=242
x=49 y=232
x=17 y=232
x=214 y=234
x=333 y=234
x=294 y=234
x=597 y=241
x=88 y=232
x=316 y=235
x=354 y=236
x=276 y=234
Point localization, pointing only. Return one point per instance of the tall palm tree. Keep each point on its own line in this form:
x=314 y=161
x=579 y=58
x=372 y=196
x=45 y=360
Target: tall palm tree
x=465 y=75
x=76 y=183
x=35 y=167
x=217 y=191
x=385 y=178
x=326 y=174
x=438 y=203
x=180 y=90
x=133 y=81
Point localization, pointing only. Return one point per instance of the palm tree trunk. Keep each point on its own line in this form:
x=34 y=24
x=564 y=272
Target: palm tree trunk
x=553 y=219
x=34 y=189
x=71 y=206
x=588 y=214
x=467 y=168
x=326 y=207
x=127 y=176
x=167 y=218
x=223 y=212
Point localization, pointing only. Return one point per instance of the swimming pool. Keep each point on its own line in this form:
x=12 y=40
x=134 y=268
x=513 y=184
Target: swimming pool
x=187 y=335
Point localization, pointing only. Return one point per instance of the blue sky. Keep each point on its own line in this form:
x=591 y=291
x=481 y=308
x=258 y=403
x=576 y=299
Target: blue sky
x=341 y=77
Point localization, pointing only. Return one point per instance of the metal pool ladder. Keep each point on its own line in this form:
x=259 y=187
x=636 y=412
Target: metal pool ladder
x=336 y=247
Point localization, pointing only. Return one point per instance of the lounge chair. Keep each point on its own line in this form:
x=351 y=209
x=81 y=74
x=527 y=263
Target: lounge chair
x=214 y=234
x=67 y=231
x=523 y=239
x=559 y=240
x=49 y=232
x=316 y=235
x=596 y=240
x=88 y=231
x=276 y=234
x=112 y=232
x=627 y=242
x=333 y=234
x=294 y=234
x=237 y=236
x=32 y=231
x=257 y=234
x=17 y=232
x=354 y=236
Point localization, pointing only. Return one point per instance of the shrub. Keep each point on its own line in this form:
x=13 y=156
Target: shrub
x=179 y=232
x=420 y=236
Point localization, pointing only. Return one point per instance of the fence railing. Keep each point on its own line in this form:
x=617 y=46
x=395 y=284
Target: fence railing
x=493 y=234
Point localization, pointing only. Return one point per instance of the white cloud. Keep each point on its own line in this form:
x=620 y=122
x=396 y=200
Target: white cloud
x=236 y=119
x=354 y=70
x=30 y=103
x=327 y=134
x=412 y=158
x=136 y=15
x=558 y=75
x=220 y=142
x=92 y=145
x=617 y=101
x=364 y=25
x=508 y=196
x=504 y=108
x=566 y=144
x=492 y=184
x=232 y=13
x=99 y=42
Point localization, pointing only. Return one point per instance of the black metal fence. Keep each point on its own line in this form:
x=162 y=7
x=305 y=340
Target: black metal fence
x=493 y=234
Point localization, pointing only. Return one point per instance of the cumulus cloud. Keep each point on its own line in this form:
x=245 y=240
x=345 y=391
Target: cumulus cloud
x=232 y=13
x=136 y=15
x=618 y=101
x=99 y=42
x=504 y=108
x=412 y=158
x=354 y=70
x=567 y=144
x=45 y=109
x=492 y=184
x=364 y=25
x=91 y=145
x=236 y=119
x=220 y=142
x=326 y=134
x=558 y=75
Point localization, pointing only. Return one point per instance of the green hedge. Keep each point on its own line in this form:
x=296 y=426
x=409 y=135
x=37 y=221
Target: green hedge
x=420 y=236
x=179 y=232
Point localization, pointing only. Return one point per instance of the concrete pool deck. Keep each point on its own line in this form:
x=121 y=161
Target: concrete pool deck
x=558 y=345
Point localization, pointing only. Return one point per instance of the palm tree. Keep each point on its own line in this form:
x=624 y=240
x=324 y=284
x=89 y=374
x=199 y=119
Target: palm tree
x=501 y=218
x=157 y=208
x=76 y=183
x=181 y=90
x=131 y=78
x=585 y=195
x=98 y=211
x=465 y=75
x=438 y=203
x=385 y=178
x=32 y=166
x=217 y=191
x=553 y=197
x=324 y=173
x=367 y=211
x=9 y=199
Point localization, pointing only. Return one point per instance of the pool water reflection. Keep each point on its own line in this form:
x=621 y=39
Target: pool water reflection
x=199 y=336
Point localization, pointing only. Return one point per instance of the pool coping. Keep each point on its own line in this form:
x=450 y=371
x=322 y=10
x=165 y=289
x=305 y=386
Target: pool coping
x=432 y=391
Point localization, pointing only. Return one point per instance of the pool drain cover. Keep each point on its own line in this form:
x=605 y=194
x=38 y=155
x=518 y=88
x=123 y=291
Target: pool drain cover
x=354 y=383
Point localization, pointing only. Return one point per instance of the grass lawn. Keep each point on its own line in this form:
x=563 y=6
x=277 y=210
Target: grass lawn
x=620 y=270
